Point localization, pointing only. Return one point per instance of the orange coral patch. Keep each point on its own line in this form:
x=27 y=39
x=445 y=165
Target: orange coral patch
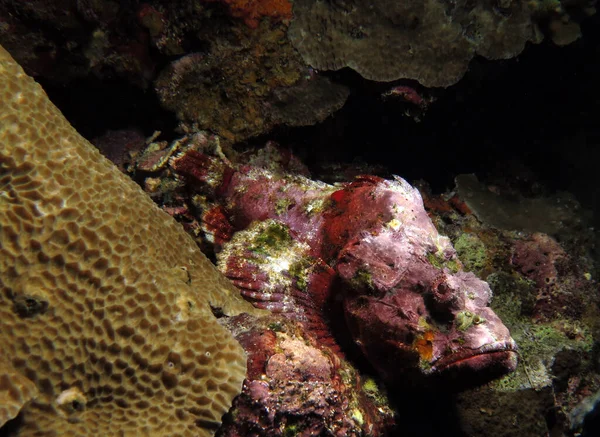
x=424 y=345
x=252 y=11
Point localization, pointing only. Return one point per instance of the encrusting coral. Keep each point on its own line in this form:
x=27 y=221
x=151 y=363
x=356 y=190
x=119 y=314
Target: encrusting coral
x=430 y=41
x=108 y=310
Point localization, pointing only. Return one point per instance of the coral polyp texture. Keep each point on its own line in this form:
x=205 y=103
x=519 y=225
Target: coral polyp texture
x=363 y=256
x=105 y=302
x=431 y=41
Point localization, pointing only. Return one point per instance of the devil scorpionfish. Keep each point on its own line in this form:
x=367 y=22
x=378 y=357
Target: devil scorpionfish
x=365 y=252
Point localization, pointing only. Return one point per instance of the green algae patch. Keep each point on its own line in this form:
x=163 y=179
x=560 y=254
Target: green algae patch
x=291 y=430
x=438 y=260
x=514 y=295
x=471 y=251
x=300 y=271
x=362 y=279
x=539 y=343
x=273 y=237
x=317 y=205
x=465 y=319
x=283 y=205
x=375 y=392
x=276 y=327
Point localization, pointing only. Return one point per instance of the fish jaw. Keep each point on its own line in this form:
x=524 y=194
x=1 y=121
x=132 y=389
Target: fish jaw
x=477 y=338
x=483 y=347
x=404 y=337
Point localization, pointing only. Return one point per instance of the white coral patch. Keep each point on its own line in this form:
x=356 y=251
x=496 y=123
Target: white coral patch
x=279 y=264
x=394 y=224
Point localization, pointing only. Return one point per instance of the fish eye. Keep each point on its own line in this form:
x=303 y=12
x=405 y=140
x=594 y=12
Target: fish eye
x=442 y=289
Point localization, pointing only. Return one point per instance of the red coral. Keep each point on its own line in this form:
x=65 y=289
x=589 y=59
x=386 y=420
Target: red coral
x=561 y=288
x=252 y=11
x=536 y=258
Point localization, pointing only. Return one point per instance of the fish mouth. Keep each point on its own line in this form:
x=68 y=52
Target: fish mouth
x=502 y=355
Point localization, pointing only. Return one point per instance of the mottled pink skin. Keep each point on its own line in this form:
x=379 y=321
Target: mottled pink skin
x=256 y=194
x=408 y=306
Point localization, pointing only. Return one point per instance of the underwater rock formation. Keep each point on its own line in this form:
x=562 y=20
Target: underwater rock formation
x=108 y=310
x=296 y=386
x=237 y=76
x=244 y=89
x=430 y=41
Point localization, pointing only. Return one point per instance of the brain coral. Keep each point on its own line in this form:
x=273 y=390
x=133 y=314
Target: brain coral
x=431 y=41
x=106 y=325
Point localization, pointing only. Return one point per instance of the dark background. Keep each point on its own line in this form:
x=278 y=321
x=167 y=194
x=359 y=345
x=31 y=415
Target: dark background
x=534 y=120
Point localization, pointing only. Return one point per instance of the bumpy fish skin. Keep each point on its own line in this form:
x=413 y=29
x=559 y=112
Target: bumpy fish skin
x=300 y=245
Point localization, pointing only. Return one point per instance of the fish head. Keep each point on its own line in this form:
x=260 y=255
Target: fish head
x=413 y=311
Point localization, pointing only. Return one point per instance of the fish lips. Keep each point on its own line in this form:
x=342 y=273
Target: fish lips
x=487 y=347
x=501 y=356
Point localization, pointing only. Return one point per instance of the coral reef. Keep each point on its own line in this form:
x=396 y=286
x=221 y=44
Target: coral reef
x=557 y=18
x=16 y=390
x=237 y=77
x=108 y=309
x=97 y=343
x=430 y=41
x=245 y=87
x=72 y=38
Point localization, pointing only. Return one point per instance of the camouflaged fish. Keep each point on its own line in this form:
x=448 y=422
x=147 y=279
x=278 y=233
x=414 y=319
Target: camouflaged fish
x=365 y=252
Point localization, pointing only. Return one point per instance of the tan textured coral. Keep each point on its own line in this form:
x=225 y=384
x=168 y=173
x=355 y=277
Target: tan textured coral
x=15 y=391
x=105 y=302
x=431 y=41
